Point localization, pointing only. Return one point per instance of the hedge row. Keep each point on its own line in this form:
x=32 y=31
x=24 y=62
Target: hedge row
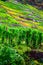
x=32 y=38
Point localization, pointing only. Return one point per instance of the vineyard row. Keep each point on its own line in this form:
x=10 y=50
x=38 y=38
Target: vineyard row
x=32 y=38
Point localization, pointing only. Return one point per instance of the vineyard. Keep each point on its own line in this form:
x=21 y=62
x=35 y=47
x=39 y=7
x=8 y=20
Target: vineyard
x=21 y=34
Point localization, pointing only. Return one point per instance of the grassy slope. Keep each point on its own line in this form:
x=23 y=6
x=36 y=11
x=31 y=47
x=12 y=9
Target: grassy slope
x=18 y=14
x=21 y=14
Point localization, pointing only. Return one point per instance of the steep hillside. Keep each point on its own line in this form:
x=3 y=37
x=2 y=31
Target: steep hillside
x=24 y=15
x=21 y=34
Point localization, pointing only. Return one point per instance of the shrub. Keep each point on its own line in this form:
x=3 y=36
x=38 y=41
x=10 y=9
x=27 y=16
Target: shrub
x=8 y=56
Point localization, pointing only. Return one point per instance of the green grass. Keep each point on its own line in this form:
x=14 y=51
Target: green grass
x=27 y=10
x=8 y=21
x=6 y=18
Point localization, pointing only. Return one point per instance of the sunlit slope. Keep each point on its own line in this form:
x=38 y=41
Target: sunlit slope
x=20 y=14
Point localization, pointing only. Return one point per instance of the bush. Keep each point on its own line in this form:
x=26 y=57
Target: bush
x=8 y=56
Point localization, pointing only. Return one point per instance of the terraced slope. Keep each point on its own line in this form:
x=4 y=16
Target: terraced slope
x=20 y=15
x=16 y=22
